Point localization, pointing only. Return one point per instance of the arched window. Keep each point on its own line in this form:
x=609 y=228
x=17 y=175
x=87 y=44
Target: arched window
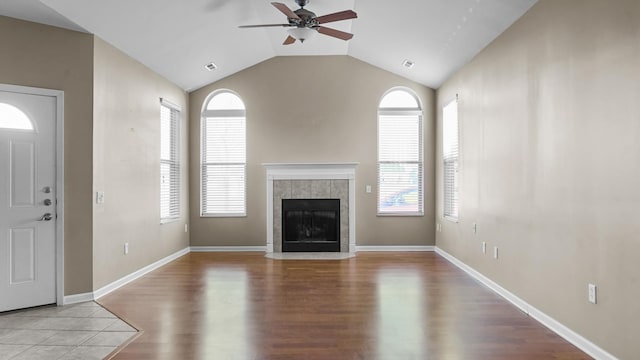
x=13 y=118
x=400 y=154
x=223 y=164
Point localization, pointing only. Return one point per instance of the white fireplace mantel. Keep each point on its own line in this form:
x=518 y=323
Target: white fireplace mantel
x=312 y=171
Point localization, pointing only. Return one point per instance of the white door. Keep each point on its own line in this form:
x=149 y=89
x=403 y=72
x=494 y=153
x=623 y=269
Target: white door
x=27 y=200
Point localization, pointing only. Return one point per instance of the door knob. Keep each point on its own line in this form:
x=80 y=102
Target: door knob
x=46 y=217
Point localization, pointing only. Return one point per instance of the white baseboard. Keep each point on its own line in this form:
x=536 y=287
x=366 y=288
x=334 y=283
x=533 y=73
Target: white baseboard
x=228 y=249
x=365 y=248
x=137 y=274
x=571 y=336
x=77 y=298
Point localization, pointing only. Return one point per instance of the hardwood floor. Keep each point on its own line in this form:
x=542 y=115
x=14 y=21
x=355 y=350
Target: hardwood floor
x=374 y=306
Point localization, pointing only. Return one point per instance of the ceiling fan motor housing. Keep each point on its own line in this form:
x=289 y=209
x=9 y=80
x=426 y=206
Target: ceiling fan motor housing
x=308 y=19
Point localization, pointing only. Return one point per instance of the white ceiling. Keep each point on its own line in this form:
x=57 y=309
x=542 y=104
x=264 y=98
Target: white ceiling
x=33 y=10
x=177 y=38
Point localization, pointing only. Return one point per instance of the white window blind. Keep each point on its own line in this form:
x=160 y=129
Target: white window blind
x=450 y=156
x=400 y=166
x=223 y=157
x=169 y=161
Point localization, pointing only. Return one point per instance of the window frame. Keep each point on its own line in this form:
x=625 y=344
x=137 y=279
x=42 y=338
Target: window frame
x=455 y=160
x=419 y=112
x=204 y=115
x=175 y=162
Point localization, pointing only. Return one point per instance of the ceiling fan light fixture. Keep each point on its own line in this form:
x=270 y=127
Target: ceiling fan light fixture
x=302 y=33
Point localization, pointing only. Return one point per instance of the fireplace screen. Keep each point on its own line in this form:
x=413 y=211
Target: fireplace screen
x=310 y=225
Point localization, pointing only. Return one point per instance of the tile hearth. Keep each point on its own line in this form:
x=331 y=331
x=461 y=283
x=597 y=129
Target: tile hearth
x=309 y=255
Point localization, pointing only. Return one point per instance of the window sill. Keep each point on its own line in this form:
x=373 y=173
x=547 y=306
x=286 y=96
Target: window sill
x=452 y=219
x=223 y=215
x=399 y=214
x=169 y=220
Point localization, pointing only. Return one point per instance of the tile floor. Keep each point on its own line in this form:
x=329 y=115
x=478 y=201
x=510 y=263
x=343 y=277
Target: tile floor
x=82 y=331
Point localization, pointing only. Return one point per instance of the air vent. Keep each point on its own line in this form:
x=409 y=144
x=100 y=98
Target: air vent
x=211 y=66
x=408 y=64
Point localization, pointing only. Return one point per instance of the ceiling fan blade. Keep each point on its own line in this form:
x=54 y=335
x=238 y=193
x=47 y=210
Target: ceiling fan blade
x=335 y=33
x=342 y=15
x=290 y=40
x=285 y=10
x=266 y=25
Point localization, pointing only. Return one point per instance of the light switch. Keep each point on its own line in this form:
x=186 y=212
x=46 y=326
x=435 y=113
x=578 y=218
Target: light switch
x=99 y=197
x=592 y=294
x=367 y=189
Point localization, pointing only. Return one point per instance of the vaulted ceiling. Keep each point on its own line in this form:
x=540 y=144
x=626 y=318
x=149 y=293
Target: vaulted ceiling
x=177 y=38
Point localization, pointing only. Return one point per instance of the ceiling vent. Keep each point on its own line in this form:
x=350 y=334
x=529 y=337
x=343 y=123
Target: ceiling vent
x=211 y=66
x=408 y=64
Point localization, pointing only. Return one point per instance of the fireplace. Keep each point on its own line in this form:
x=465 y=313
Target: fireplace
x=311 y=225
x=287 y=181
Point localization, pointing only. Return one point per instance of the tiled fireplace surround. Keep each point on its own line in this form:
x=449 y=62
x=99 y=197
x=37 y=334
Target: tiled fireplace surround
x=311 y=181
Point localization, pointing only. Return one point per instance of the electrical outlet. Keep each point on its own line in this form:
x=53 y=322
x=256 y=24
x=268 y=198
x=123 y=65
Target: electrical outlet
x=495 y=252
x=593 y=295
x=484 y=247
x=126 y=248
x=186 y=227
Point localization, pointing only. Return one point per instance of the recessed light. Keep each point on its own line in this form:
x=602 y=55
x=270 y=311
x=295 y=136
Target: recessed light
x=211 y=66
x=408 y=63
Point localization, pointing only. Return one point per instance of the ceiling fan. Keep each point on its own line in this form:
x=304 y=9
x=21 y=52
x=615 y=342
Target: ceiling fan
x=304 y=23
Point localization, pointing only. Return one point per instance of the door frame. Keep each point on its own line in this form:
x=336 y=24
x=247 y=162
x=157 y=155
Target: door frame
x=59 y=169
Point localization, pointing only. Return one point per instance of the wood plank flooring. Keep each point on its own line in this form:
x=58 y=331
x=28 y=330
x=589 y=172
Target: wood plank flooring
x=375 y=306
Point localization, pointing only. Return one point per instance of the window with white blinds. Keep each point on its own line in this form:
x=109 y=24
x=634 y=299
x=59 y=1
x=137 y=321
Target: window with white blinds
x=223 y=171
x=450 y=156
x=169 y=161
x=400 y=163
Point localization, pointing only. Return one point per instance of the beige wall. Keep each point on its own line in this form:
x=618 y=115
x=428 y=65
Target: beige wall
x=312 y=109
x=114 y=158
x=127 y=166
x=550 y=122
x=47 y=57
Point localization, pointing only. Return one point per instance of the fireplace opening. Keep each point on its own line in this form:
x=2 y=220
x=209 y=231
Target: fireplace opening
x=311 y=225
